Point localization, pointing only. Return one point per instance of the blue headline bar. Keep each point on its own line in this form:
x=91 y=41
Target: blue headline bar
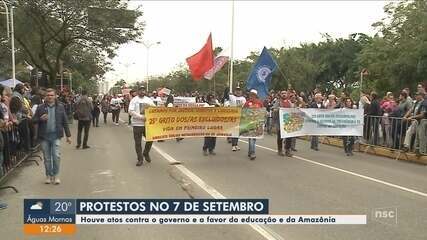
x=172 y=206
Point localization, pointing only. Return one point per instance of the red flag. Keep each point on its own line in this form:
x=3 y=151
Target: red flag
x=202 y=61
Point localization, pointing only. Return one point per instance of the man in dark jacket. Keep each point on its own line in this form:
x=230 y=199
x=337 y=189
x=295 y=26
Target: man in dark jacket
x=317 y=103
x=374 y=113
x=50 y=121
x=83 y=110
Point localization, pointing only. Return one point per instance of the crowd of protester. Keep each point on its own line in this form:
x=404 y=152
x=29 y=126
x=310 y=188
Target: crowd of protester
x=397 y=121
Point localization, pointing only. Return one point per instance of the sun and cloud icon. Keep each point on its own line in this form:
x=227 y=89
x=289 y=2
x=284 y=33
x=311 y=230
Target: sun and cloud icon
x=37 y=206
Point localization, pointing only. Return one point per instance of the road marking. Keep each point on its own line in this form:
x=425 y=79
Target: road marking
x=350 y=172
x=265 y=231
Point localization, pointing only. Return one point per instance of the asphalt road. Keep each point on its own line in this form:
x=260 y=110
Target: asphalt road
x=324 y=182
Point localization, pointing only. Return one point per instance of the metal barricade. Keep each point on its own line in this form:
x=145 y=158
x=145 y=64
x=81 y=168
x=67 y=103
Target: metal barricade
x=390 y=132
x=16 y=152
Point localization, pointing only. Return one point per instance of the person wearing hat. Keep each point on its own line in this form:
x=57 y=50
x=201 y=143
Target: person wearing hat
x=137 y=107
x=415 y=114
x=253 y=102
x=156 y=99
x=236 y=100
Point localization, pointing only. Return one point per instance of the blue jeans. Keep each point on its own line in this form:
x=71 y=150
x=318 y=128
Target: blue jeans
x=252 y=142
x=52 y=156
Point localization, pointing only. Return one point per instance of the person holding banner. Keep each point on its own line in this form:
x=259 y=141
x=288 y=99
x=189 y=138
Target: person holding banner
x=283 y=102
x=236 y=100
x=348 y=141
x=294 y=104
x=316 y=104
x=253 y=102
x=210 y=142
x=137 y=107
x=132 y=94
x=156 y=99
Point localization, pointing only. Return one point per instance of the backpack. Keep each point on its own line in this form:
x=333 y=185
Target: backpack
x=82 y=109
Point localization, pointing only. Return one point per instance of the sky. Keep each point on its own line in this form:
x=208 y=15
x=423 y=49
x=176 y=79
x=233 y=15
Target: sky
x=182 y=28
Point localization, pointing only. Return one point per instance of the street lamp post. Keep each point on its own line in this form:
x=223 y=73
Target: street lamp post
x=147 y=46
x=127 y=65
x=10 y=30
x=12 y=39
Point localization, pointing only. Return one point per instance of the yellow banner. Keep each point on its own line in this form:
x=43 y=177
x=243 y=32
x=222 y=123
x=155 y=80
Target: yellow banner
x=166 y=123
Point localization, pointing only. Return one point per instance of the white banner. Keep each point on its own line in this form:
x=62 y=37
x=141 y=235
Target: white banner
x=296 y=122
x=220 y=219
x=186 y=102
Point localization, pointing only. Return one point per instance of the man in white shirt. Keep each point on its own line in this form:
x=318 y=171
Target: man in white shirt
x=137 y=107
x=236 y=100
x=115 y=108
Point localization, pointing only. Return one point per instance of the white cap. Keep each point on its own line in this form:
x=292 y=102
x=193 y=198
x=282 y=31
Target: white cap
x=254 y=91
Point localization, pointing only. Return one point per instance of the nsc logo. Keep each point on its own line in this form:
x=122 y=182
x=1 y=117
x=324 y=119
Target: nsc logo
x=386 y=215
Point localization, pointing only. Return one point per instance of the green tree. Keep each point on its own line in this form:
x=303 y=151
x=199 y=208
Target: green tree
x=397 y=57
x=58 y=25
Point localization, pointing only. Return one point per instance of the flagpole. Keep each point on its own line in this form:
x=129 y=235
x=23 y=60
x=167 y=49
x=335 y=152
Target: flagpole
x=232 y=44
x=281 y=72
x=214 y=84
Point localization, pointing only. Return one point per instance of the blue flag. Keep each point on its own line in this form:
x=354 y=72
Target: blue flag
x=260 y=76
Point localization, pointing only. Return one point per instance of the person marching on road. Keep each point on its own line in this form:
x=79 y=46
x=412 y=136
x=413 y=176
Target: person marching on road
x=169 y=103
x=51 y=121
x=115 y=108
x=84 y=110
x=156 y=99
x=282 y=102
x=158 y=102
x=105 y=107
x=96 y=112
x=316 y=104
x=253 y=102
x=132 y=94
x=236 y=100
x=137 y=107
x=210 y=142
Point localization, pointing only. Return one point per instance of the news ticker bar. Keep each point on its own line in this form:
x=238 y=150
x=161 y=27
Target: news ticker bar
x=60 y=216
x=220 y=219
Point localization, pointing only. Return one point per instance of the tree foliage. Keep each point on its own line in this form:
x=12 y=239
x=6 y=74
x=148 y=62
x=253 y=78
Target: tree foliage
x=395 y=57
x=49 y=32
